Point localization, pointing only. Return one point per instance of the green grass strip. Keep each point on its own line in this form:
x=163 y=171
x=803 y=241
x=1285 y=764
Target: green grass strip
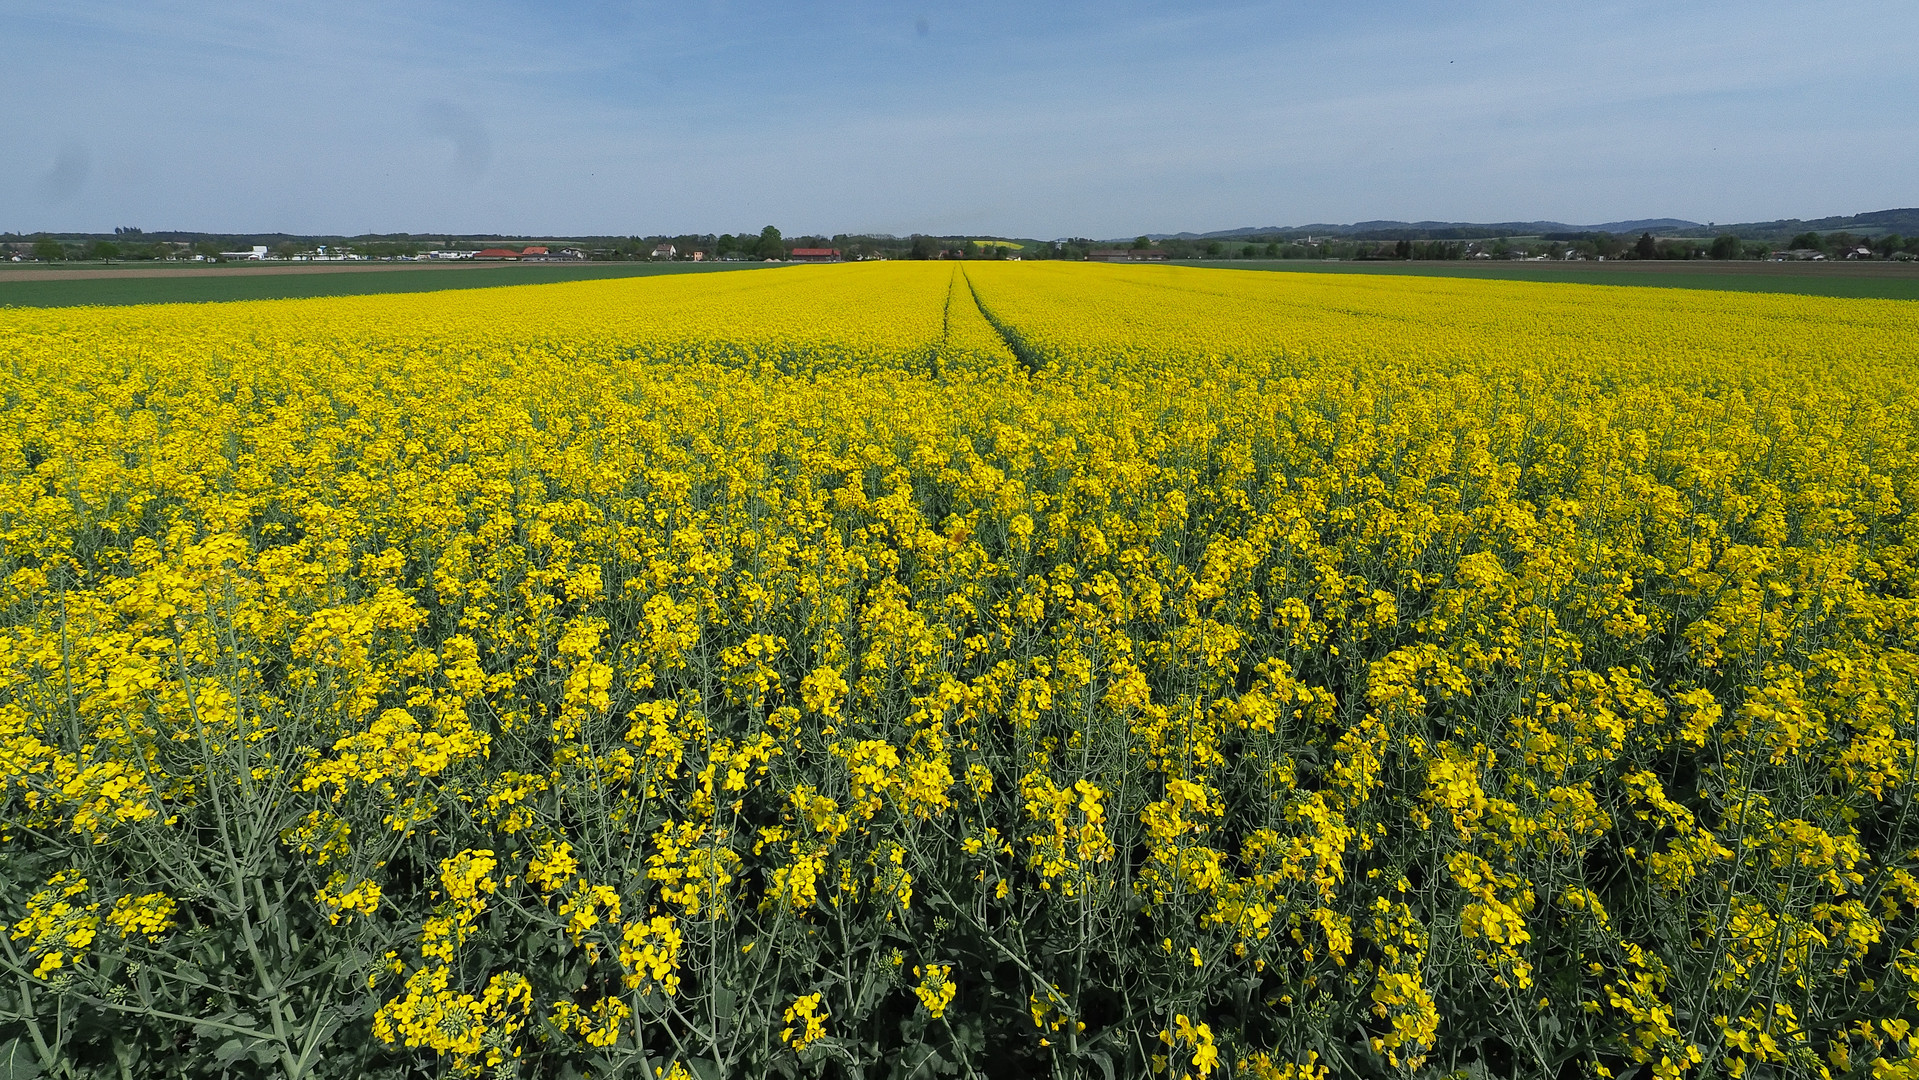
x=1874 y=281
x=195 y=286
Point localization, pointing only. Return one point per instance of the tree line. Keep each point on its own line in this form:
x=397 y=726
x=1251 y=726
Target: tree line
x=130 y=244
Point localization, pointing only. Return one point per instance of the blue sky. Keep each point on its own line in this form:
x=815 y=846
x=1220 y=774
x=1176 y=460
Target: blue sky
x=1026 y=118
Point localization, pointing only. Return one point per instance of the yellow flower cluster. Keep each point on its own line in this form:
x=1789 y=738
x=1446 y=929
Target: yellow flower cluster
x=808 y=1022
x=57 y=930
x=1239 y=674
x=1192 y=1042
x=936 y=989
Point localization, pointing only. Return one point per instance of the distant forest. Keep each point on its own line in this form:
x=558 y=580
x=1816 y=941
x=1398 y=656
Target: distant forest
x=1886 y=234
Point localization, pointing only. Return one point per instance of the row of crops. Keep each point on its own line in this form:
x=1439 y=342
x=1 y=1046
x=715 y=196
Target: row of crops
x=906 y=670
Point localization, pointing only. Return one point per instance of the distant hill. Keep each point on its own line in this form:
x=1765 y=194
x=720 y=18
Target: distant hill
x=1878 y=221
x=1432 y=230
x=1651 y=225
x=1905 y=222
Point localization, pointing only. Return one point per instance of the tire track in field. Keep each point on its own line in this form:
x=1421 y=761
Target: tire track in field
x=1029 y=357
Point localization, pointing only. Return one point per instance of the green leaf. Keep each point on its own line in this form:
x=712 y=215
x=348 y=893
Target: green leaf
x=971 y=1034
x=923 y=1061
x=17 y=1061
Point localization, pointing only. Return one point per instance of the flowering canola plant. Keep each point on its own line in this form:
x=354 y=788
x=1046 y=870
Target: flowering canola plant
x=932 y=670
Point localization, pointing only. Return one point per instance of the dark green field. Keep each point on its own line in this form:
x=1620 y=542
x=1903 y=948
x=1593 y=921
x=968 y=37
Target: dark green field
x=1886 y=281
x=194 y=285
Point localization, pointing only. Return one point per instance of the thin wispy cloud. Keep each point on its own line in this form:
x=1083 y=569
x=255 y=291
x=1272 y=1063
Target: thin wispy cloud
x=472 y=146
x=66 y=177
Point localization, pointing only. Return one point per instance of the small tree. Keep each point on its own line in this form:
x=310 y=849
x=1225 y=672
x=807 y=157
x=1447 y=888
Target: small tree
x=1726 y=247
x=47 y=249
x=104 y=250
x=1141 y=243
x=1646 y=247
x=771 y=246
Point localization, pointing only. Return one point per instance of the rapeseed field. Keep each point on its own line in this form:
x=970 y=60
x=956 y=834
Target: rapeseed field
x=919 y=670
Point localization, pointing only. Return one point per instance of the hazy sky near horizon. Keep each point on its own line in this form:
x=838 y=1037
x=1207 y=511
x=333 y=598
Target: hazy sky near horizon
x=1100 y=118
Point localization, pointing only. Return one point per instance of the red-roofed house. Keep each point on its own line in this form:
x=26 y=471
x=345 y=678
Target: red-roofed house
x=816 y=254
x=496 y=253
